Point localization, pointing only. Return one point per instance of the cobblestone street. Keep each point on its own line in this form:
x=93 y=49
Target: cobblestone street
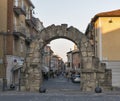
x=59 y=89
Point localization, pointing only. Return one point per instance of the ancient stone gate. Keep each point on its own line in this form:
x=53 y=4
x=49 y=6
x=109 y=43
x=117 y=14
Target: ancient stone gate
x=92 y=71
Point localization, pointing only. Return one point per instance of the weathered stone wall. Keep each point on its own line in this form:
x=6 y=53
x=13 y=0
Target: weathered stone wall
x=105 y=78
x=92 y=72
x=31 y=72
x=95 y=74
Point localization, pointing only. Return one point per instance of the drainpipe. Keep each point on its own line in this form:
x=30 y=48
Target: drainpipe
x=100 y=40
x=19 y=77
x=4 y=62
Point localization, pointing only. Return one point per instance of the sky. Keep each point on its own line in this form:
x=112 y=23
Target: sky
x=77 y=13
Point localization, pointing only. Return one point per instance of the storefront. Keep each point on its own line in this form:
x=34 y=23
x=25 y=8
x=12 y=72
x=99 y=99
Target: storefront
x=13 y=71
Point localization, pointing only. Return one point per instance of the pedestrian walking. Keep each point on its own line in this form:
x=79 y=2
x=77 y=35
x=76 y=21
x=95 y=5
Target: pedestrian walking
x=68 y=76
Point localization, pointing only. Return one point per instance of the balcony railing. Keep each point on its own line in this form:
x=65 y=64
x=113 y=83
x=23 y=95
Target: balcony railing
x=19 y=31
x=19 y=8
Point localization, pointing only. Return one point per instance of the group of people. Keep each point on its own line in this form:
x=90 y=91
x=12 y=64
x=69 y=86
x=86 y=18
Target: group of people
x=52 y=74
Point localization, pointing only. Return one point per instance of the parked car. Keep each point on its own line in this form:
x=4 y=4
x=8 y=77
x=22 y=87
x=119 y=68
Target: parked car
x=76 y=79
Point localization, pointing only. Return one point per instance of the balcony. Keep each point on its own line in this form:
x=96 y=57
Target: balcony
x=19 y=8
x=30 y=21
x=19 y=31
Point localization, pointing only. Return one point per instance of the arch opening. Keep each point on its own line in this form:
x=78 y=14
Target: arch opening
x=58 y=66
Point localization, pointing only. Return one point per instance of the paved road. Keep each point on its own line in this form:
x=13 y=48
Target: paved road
x=61 y=84
x=58 y=97
x=59 y=89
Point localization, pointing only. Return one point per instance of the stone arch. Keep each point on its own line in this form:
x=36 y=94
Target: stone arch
x=54 y=32
x=32 y=67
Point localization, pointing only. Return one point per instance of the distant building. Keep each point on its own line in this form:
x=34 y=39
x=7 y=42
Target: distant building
x=76 y=60
x=57 y=63
x=69 y=66
x=61 y=65
x=104 y=34
x=47 y=55
x=73 y=60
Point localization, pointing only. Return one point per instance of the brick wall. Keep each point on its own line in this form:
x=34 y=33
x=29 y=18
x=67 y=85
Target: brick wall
x=2 y=47
x=9 y=38
x=10 y=16
x=9 y=45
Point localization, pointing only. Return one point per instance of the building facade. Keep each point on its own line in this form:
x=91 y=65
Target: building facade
x=69 y=66
x=104 y=32
x=17 y=29
x=76 y=60
x=57 y=64
x=73 y=60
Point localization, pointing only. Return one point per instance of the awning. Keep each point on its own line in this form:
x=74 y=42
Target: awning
x=45 y=69
x=16 y=67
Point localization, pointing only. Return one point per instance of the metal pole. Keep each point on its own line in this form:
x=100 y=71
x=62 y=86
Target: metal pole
x=3 y=87
x=4 y=63
x=19 y=75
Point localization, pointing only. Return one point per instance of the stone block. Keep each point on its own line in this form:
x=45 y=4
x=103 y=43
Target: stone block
x=83 y=49
x=84 y=39
x=34 y=89
x=90 y=54
x=84 y=53
x=23 y=88
x=37 y=54
x=35 y=60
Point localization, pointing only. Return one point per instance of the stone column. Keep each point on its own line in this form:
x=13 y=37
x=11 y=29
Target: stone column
x=88 y=75
x=32 y=77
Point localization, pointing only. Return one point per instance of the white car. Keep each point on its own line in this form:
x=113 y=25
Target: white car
x=76 y=79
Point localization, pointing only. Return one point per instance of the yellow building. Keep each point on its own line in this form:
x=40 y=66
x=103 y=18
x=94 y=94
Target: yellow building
x=104 y=34
x=17 y=28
